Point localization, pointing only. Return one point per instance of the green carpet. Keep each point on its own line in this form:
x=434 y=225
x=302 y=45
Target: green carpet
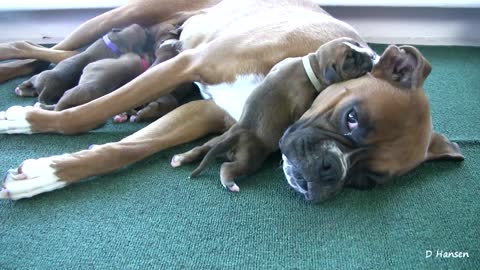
x=152 y=216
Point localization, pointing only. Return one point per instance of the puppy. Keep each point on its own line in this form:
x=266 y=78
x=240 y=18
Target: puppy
x=167 y=46
x=285 y=94
x=100 y=78
x=51 y=84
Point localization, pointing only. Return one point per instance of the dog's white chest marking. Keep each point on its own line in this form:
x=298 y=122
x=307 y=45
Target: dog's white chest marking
x=232 y=96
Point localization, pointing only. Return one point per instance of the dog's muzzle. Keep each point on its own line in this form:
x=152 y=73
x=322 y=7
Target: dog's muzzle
x=315 y=167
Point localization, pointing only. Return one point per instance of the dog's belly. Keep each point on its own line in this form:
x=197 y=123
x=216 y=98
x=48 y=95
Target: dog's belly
x=232 y=96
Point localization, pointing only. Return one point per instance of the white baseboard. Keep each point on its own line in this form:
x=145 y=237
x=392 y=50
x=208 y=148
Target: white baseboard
x=42 y=26
x=418 y=26
x=399 y=25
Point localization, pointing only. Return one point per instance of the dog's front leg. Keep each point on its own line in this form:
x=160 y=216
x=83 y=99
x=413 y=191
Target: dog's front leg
x=27 y=50
x=186 y=123
x=152 y=84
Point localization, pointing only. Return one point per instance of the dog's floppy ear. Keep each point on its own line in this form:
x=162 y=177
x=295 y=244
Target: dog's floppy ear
x=404 y=66
x=441 y=148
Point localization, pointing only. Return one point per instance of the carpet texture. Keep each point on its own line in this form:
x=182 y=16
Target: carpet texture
x=153 y=216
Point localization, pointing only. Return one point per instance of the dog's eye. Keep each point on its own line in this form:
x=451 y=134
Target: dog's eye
x=352 y=120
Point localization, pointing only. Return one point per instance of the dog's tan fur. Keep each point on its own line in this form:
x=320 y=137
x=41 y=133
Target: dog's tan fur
x=221 y=40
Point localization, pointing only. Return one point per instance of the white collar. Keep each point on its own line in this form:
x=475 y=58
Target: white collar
x=310 y=74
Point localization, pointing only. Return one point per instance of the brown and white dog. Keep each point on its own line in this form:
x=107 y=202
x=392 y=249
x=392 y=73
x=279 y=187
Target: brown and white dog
x=228 y=47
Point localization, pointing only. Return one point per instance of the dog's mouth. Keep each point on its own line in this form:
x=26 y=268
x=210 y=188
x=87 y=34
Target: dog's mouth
x=313 y=191
x=295 y=181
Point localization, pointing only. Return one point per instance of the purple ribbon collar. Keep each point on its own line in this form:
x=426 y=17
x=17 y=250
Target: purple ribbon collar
x=111 y=45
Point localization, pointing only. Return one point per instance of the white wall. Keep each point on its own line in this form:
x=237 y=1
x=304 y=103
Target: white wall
x=426 y=26
x=58 y=4
x=72 y=4
x=400 y=25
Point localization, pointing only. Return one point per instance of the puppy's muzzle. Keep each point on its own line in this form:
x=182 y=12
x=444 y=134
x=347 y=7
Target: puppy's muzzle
x=371 y=56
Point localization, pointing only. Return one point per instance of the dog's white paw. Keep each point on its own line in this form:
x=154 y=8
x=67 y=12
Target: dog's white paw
x=33 y=177
x=13 y=120
x=177 y=161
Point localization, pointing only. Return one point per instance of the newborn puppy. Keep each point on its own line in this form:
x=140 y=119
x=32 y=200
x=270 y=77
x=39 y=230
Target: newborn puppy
x=162 y=105
x=167 y=46
x=100 y=78
x=285 y=94
x=51 y=84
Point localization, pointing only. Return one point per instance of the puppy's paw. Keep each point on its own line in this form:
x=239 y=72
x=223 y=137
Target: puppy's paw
x=120 y=118
x=14 y=120
x=26 y=89
x=232 y=187
x=177 y=161
x=194 y=154
x=135 y=118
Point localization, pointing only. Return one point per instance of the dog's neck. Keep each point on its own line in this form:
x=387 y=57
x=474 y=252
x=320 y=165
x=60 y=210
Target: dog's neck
x=145 y=63
x=112 y=46
x=312 y=68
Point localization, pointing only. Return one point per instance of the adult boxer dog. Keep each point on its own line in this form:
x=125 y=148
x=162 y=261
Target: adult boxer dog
x=232 y=45
x=284 y=95
x=50 y=85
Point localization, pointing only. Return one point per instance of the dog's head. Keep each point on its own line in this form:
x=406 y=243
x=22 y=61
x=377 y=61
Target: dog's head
x=364 y=131
x=130 y=39
x=166 y=50
x=161 y=32
x=342 y=59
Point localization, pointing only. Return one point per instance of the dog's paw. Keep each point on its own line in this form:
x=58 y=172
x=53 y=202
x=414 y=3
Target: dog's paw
x=14 y=120
x=177 y=160
x=138 y=117
x=33 y=177
x=232 y=187
x=26 y=89
x=135 y=118
x=188 y=157
x=121 y=118
x=25 y=92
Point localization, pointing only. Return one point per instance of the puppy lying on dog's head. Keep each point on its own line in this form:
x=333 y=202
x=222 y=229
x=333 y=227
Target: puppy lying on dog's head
x=285 y=94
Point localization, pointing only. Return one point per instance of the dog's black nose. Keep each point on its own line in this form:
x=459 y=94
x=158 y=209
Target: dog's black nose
x=329 y=168
x=369 y=64
x=364 y=61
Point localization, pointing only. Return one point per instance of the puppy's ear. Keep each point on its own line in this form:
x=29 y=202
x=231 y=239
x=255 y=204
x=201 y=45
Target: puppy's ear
x=404 y=66
x=441 y=148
